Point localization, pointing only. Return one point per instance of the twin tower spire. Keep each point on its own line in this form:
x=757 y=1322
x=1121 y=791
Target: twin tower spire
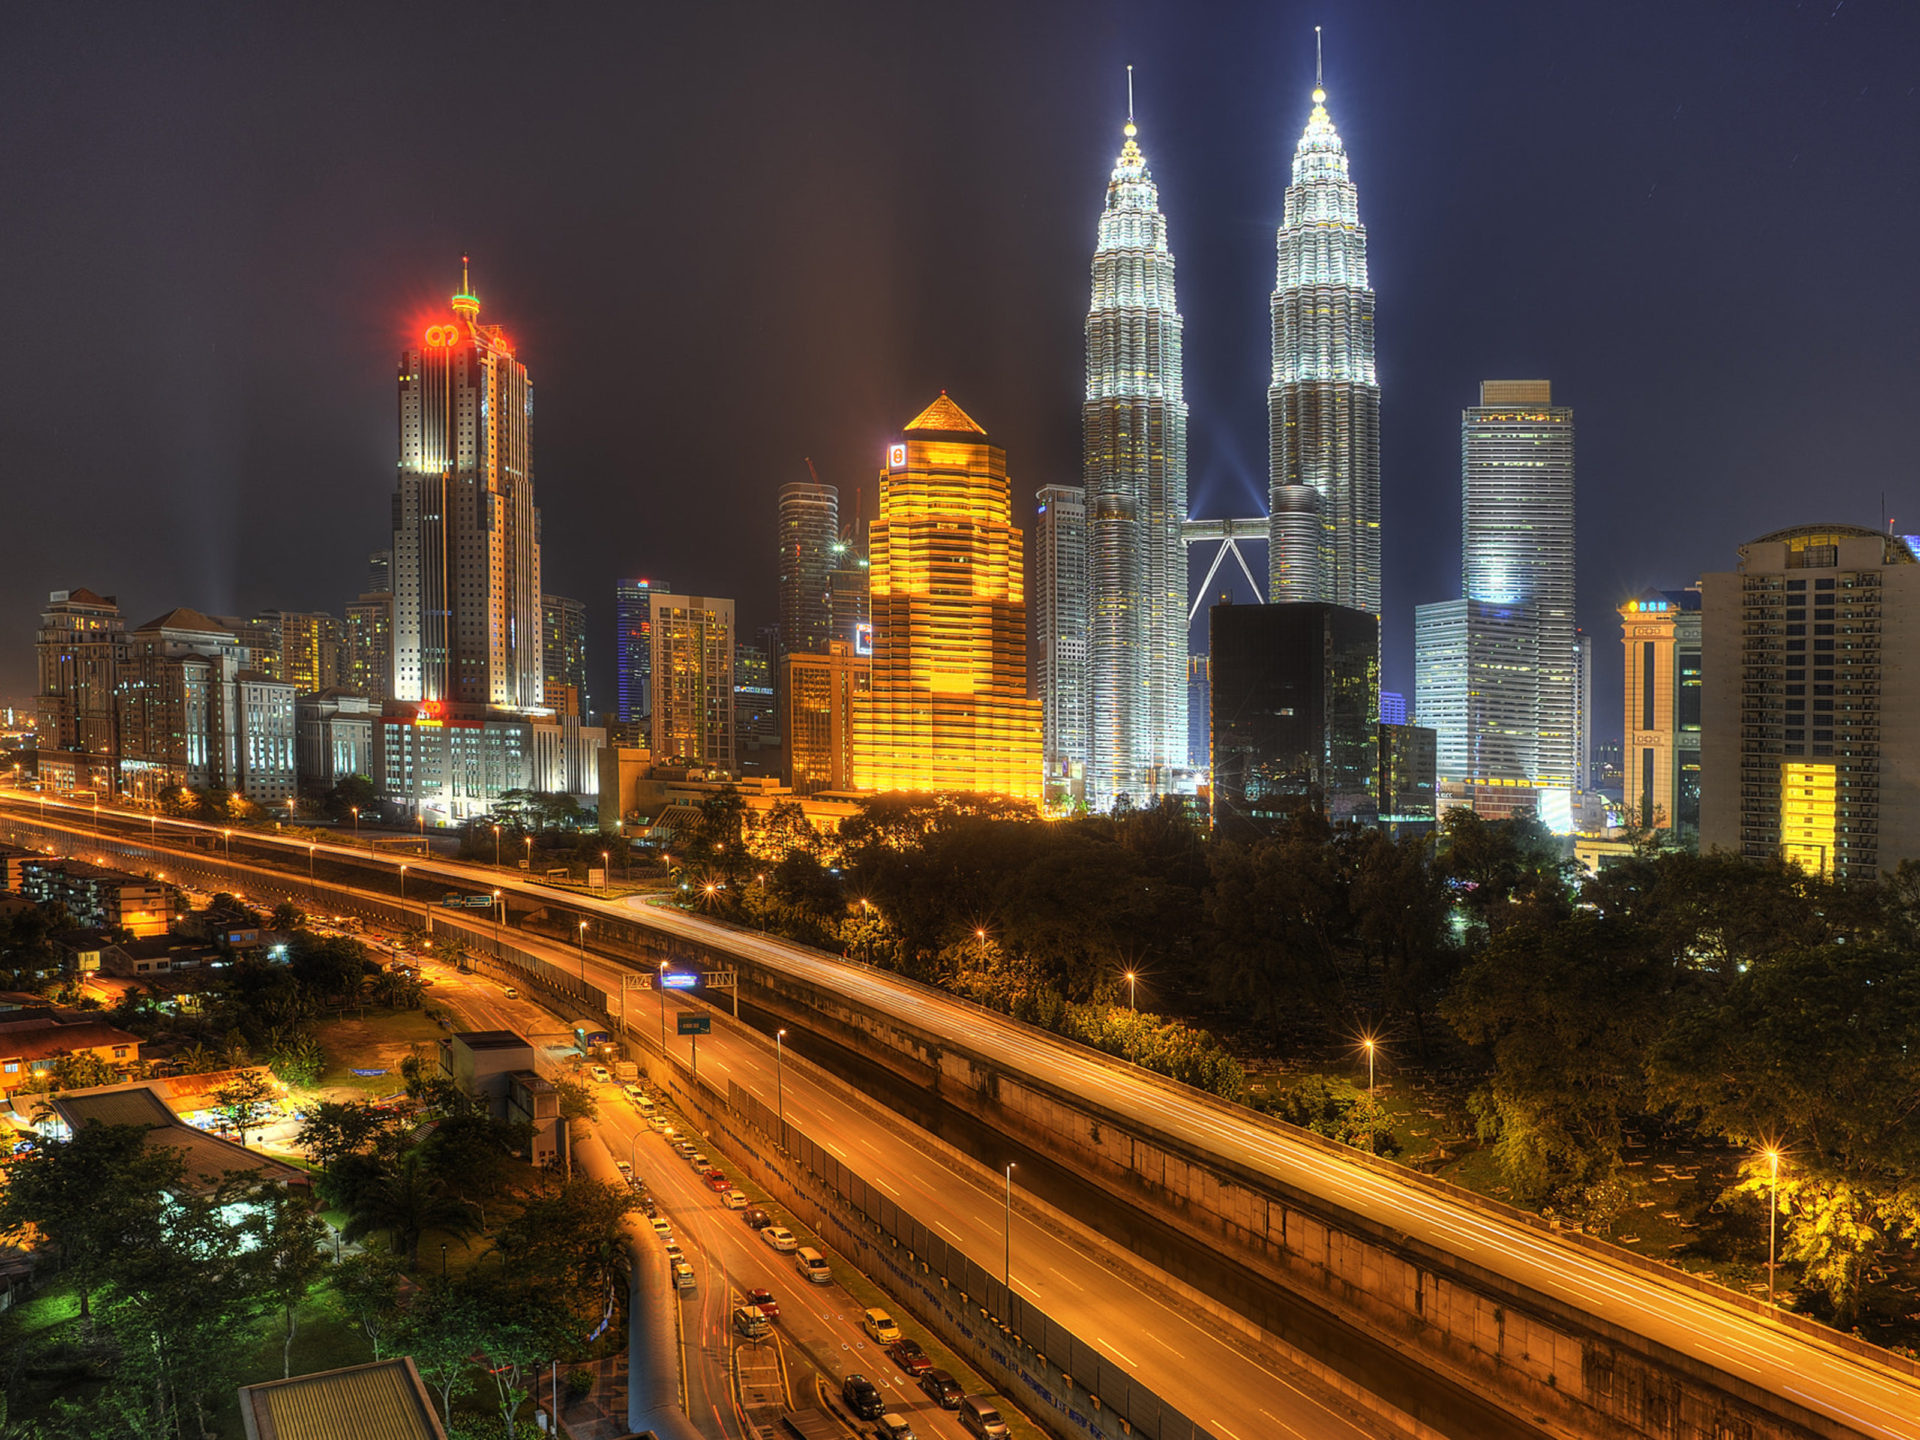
x=1323 y=474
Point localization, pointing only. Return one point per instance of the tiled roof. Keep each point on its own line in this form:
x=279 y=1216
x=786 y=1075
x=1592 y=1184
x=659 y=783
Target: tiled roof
x=381 y=1401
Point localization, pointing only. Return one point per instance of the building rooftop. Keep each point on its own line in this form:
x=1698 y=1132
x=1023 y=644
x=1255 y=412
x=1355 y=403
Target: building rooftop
x=208 y=1157
x=43 y=1038
x=381 y=1401
x=943 y=417
x=181 y=618
x=491 y=1039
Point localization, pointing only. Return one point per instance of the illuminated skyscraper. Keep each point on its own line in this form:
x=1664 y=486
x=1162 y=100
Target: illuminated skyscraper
x=1323 y=409
x=1516 y=548
x=563 y=653
x=1661 y=632
x=1060 y=631
x=1810 y=716
x=948 y=709
x=633 y=648
x=1134 y=425
x=466 y=536
x=693 y=716
x=809 y=530
x=822 y=693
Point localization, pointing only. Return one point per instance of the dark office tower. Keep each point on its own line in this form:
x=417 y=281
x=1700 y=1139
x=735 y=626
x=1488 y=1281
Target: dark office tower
x=633 y=648
x=380 y=573
x=466 y=535
x=1134 y=426
x=1323 y=409
x=756 y=733
x=1810 y=733
x=809 y=529
x=1060 y=634
x=849 y=598
x=1295 y=692
x=563 y=648
x=1408 y=786
x=81 y=649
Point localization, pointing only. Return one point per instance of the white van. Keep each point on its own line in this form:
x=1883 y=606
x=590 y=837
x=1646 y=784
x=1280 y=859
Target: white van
x=812 y=1264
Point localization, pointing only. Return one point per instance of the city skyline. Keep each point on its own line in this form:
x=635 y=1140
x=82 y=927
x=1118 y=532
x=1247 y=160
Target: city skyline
x=308 y=426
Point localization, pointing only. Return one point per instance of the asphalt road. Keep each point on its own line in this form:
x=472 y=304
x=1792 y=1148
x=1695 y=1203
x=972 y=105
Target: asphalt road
x=1872 y=1399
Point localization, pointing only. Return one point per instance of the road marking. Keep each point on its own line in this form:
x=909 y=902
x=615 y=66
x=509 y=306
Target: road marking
x=837 y=1150
x=1116 y=1350
x=886 y=1187
x=951 y=1231
x=1068 y=1278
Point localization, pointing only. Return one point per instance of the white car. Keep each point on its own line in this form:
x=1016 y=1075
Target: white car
x=698 y=1160
x=661 y=1227
x=625 y=1168
x=780 y=1238
x=735 y=1199
x=659 y=1124
x=599 y=1073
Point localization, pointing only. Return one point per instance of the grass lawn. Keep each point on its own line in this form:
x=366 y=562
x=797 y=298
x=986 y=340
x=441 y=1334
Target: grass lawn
x=373 y=1039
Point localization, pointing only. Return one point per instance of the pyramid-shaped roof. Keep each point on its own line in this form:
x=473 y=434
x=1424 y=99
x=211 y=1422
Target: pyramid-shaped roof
x=181 y=618
x=944 y=416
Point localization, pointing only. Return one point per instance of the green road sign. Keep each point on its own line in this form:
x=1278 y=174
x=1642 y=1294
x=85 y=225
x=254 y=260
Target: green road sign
x=693 y=1024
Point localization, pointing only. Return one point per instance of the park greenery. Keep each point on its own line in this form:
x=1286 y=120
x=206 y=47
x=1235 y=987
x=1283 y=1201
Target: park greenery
x=1744 y=1004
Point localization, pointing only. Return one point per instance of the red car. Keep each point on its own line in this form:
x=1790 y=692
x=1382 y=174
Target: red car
x=769 y=1306
x=908 y=1355
x=717 y=1180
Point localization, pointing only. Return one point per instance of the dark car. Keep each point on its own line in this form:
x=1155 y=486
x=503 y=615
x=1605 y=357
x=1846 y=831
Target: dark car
x=863 y=1397
x=769 y=1306
x=756 y=1218
x=907 y=1354
x=942 y=1389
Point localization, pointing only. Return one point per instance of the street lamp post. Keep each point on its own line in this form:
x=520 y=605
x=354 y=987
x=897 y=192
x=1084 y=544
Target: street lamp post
x=1006 y=1254
x=663 y=1009
x=498 y=906
x=529 y=843
x=583 y=962
x=227 y=835
x=356 y=825
x=1131 y=977
x=1773 y=1214
x=312 y=888
x=1368 y=1045
x=496 y=847
x=779 y=1082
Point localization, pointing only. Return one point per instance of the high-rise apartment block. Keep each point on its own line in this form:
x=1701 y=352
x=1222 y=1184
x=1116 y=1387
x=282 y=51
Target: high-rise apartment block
x=563 y=651
x=1295 y=692
x=1323 y=406
x=1134 y=428
x=81 y=645
x=823 y=692
x=1516 y=548
x=949 y=708
x=1810 y=725
x=1661 y=632
x=367 y=663
x=1060 y=634
x=809 y=530
x=633 y=648
x=309 y=652
x=466 y=534
x=692 y=682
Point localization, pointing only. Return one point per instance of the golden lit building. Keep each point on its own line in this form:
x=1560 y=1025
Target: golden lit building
x=949 y=707
x=1660 y=630
x=1810 y=741
x=822 y=691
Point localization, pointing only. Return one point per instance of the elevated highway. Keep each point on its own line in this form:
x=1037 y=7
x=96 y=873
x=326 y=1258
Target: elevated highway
x=1573 y=1335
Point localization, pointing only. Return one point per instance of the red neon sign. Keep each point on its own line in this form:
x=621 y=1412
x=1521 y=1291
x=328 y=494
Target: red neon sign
x=441 y=335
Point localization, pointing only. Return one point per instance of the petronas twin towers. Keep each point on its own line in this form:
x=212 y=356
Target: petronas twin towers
x=1324 y=470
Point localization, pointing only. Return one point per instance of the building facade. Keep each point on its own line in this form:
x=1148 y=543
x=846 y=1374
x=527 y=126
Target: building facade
x=692 y=682
x=1660 y=631
x=334 y=734
x=847 y=586
x=80 y=647
x=466 y=534
x=1516 y=549
x=1475 y=687
x=1810 y=724
x=563 y=653
x=565 y=757
x=633 y=649
x=1323 y=405
x=949 y=708
x=809 y=523
x=1409 y=778
x=756 y=728
x=310 y=651
x=447 y=763
x=1134 y=427
x=823 y=694
x=367 y=667
x=1060 y=596
x=1295 y=692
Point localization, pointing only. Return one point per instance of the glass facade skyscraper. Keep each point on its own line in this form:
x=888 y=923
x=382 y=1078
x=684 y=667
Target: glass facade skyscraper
x=1323 y=407
x=1134 y=424
x=809 y=531
x=466 y=535
x=633 y=648
x=1060 y=631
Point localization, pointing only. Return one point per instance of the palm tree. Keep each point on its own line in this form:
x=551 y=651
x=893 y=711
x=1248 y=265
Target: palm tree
x=406 y=1203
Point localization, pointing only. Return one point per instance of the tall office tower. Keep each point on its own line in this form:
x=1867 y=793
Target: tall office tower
x=1474 y=685
x=262 y=636
x=1295 y=692
x=368 y=662
x=822 y=693
x=1408 y=786
x=466 y=535
x=848 y=607
x=1583 y=711
x=1660 y=630
x=1810 y=733
x=1060 y=633
x=756 y=729
x=1200 y=712
x=563 y=654
x=1393 y=708
x=1134 y=429
x=692 y=682
x=809 y=529
x=81 y=647
x=633 y=648
x=380 y=573
x=1516 y=547
x=949 y=707
x=1323 y=409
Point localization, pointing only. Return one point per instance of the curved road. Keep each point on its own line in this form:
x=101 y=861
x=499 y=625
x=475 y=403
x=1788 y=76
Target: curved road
x=1872 y=1399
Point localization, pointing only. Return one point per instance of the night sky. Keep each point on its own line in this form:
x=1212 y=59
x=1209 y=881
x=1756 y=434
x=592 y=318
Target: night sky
x=729 y=237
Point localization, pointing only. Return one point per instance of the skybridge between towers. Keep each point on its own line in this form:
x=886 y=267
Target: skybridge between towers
x=1228 y=535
